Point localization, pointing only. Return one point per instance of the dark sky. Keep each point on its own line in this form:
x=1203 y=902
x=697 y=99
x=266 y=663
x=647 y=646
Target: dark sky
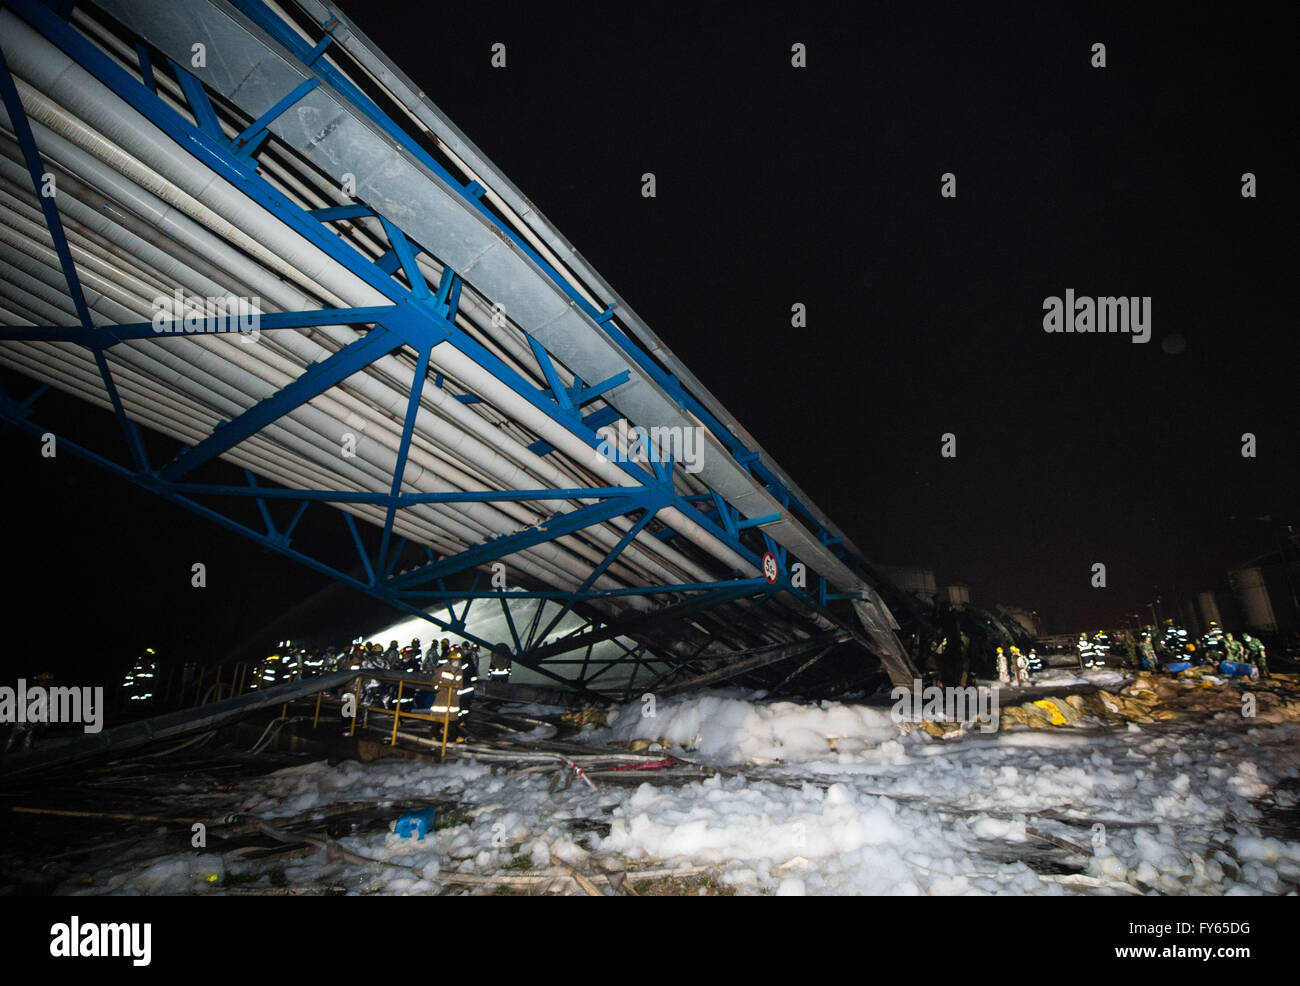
x=821 y=186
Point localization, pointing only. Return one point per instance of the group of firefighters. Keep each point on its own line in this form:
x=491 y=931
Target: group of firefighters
x=1170 y=651
x=1013 y=667
x=1173 y=648
x=455 y=671
x=454 y=668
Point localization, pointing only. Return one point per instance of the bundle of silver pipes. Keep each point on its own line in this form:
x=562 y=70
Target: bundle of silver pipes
x=144 y=218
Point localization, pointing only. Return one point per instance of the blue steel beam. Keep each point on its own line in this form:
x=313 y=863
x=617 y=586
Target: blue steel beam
x=399 y=470
x=32 y=157
x=599 y=570
x=285 y=35
x=146 y=67
x=631 y=625
x=258 y=126
x=406 y=256
x=197 y=98
x=552 y=377
x=557 y=526
x=317 y=379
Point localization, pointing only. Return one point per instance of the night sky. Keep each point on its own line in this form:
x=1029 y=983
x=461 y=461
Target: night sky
x=821 y=185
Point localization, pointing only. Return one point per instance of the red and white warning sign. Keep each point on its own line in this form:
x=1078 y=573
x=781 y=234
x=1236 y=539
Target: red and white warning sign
x=770 y=568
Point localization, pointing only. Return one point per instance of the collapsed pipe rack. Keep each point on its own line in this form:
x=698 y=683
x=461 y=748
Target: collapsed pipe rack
x=238 y=225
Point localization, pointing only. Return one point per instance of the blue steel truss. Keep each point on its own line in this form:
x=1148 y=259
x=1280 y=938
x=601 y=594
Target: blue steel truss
x=419 y=318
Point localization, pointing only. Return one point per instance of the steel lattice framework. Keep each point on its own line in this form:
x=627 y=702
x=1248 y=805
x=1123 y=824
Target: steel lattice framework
x=405 y=285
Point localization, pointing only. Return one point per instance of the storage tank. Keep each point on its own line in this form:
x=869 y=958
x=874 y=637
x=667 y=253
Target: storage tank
x=917 y=581
x=1207 y=606
x=955 y=594
x=1252 y=592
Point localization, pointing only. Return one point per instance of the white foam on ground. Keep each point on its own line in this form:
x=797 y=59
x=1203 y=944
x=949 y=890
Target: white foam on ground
x=1166 y=808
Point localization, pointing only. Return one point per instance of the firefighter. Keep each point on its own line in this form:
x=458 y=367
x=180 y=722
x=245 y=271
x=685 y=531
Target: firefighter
x=1255 y=649
x=393 y=656
x=1084 y=646
x=500 y=667
x=469 y=678
x=295 y=663
x=1212 y=644
x=446 y=704
x=430 y=660
x=137 y=686
x=22 y=735
x=1003 y=677
x=1129 y=646
x=1174 y=641
x=413 y=656
x=1100 y=648
x=372 y=690
x=1019 y=667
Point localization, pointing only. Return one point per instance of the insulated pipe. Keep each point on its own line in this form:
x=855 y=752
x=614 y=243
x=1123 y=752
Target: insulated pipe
x=31 y=308
x=92 y=285
x=22 y=233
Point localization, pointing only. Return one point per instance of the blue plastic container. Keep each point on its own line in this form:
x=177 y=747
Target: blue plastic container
x=1178 y=666
x=415 y=824
x=1236 y=669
